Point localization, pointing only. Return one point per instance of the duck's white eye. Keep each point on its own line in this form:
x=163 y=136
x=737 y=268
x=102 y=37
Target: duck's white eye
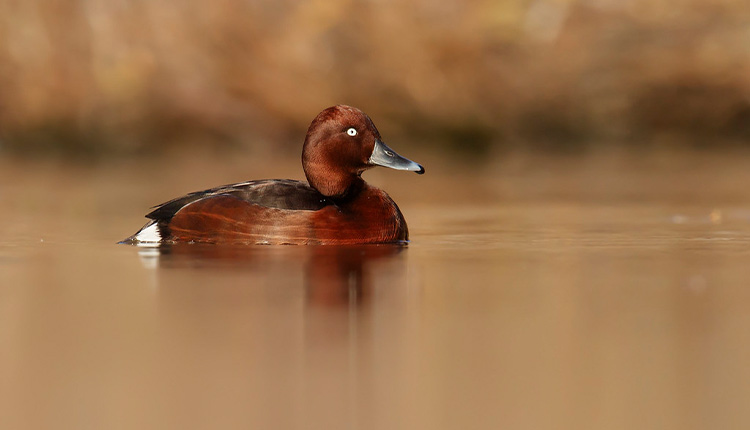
x=351 y=132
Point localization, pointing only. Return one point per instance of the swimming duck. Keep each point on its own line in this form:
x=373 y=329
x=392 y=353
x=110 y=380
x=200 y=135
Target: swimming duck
x=334 y=207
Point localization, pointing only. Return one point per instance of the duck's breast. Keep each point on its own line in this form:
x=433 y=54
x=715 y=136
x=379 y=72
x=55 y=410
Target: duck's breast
x=372 y=217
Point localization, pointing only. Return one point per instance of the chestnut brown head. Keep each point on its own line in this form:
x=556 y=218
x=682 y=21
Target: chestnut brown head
x=341 y=143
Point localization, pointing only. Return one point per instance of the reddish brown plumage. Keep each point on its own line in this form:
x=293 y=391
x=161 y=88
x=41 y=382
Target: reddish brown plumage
x=336 y=208
x=371 y=217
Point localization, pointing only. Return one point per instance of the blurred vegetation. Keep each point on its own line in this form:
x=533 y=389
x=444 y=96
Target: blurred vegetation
x=129 y=77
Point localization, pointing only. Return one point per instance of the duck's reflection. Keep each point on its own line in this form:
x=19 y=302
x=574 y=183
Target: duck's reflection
x=284 y=323
x=339 y=275
x=332 y=275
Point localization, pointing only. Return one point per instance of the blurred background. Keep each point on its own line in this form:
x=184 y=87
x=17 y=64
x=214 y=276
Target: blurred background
x=579 y=244
x=113 y=78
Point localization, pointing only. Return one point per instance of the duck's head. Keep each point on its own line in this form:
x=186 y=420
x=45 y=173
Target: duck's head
x=341 y=143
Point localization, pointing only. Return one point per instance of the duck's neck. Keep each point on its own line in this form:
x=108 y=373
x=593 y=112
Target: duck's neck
x=339 y=187
x=351 y=192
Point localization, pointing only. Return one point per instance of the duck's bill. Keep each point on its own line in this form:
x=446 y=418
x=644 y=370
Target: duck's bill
x=384 y=156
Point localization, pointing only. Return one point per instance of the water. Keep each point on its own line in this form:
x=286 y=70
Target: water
x=537 y=293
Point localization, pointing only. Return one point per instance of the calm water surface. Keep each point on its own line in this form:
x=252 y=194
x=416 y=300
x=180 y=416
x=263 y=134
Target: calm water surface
x=563 y=294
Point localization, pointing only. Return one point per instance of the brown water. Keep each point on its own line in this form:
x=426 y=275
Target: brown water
x=607 y=292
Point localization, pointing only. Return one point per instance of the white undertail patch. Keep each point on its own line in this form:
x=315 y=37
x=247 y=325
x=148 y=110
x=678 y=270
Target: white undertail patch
x=149 y=234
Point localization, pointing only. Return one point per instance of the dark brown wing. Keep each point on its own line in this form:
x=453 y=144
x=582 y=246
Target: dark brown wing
x=271 y=193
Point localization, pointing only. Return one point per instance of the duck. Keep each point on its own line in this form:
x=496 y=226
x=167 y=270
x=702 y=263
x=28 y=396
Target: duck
x=335 y=206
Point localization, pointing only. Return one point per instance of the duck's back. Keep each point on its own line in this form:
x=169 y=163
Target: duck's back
x=270 y=193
